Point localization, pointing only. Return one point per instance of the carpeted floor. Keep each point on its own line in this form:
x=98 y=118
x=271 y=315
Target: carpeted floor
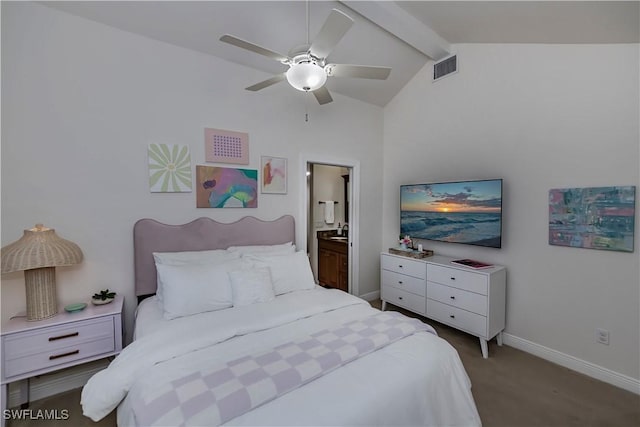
x=511 y=388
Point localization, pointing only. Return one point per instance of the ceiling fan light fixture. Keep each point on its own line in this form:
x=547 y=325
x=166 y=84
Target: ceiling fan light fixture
x=306 y=76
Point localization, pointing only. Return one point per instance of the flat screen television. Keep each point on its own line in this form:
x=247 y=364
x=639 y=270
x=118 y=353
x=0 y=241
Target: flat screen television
x=467 y=212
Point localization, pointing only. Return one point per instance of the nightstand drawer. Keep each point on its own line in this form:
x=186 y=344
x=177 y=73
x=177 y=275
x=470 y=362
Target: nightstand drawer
x=458 y=318
x=410 y=301
x=57 y=337
x=404 y=266
x=469 y=301
x=58 y=356
x=467 y=280
x=404 y=282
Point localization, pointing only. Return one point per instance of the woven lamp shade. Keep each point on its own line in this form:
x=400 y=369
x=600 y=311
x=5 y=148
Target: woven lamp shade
x=38 y=252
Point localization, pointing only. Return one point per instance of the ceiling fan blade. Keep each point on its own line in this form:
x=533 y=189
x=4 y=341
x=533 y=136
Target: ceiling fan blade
x=322 y=95
x=334 y=28
x=359 y=71
x=254 y=48
x=273 y=80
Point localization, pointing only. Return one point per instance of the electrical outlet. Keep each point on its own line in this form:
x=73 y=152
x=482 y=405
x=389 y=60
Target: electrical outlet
x=602 y=336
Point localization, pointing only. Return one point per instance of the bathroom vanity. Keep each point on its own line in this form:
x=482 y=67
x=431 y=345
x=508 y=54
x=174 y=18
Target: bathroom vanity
x=333 y=260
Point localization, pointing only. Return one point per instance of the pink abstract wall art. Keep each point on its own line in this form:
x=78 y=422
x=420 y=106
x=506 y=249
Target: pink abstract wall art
x=224 y=146
x=274 y=175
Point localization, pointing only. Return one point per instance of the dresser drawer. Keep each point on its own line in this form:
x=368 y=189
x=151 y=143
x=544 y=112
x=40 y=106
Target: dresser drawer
x=404 y=282
x=56 y=337
x=404 y=266
x=466 y=300
x=457 y=317
x=467 y=280
x=404 y=299
x=58 y=356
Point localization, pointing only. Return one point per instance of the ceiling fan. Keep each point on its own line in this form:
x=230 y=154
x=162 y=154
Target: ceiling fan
x=308 y=66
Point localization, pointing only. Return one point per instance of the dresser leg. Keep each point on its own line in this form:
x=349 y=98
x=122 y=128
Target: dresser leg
x=485 y=348
x=499 y=338
x=384 y=305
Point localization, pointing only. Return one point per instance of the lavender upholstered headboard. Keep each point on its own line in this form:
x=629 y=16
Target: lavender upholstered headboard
x=202 y=234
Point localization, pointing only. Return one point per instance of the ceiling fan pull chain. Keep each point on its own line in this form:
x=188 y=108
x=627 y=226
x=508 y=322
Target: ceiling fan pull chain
x=306 y=108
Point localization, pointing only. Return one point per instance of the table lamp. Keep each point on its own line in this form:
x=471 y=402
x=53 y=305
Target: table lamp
x=38 y=252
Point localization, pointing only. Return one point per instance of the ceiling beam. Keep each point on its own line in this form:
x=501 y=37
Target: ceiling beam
x=392 y=18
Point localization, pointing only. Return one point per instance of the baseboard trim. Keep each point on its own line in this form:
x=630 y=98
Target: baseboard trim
x=371 y=296
x=56 y=382
x=590 y=369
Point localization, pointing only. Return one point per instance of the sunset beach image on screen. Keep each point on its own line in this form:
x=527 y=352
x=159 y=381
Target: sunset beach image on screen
x=467 y=212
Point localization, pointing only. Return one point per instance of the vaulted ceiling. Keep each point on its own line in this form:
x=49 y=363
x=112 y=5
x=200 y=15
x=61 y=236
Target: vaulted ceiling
x=403 y=35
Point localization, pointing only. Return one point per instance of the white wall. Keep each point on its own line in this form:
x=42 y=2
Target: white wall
x=540 y=117
x=80 y=103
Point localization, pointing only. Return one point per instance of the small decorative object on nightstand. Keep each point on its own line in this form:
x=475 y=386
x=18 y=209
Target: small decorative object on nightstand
x=38 y=252
x=104 y=297
x=73 y=308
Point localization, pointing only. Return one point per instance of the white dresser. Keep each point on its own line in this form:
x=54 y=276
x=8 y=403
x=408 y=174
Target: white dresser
x=470 y=300
x=404 y=283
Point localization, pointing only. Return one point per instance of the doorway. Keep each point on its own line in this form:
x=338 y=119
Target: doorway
x=336 y=181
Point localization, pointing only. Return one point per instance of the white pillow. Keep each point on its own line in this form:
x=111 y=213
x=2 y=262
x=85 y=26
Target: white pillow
x=251 y=286
x=288 y=272
x=213 y=257
x=195 y=288
x=285 y=248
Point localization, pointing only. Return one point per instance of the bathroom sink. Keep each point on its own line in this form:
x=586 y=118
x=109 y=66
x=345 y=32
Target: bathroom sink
x=339 y=238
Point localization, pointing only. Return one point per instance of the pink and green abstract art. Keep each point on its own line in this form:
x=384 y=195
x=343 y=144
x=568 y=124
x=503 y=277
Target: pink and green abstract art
x=226 y=187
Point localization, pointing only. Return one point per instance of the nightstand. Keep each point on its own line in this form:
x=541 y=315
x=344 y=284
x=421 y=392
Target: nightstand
x=62 y=341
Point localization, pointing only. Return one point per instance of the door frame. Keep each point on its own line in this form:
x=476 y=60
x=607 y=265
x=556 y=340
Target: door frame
x=354 y=210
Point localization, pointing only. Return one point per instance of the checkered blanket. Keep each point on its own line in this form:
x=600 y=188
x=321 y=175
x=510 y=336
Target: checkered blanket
x=219 y=394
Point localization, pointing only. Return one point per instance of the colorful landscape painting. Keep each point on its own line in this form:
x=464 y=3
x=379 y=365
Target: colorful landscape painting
x=226 y=187
x=593 y=217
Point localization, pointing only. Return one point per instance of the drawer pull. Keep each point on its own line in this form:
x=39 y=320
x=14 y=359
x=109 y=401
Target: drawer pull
x=399 y=297
x=453 y=278
x=452 y=297
x=58 y=356
x=61 y=337
x=452 y=316
x=399 y=282
x=400 y=266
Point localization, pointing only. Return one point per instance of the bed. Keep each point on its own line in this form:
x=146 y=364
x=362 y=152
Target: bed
x=267 y=346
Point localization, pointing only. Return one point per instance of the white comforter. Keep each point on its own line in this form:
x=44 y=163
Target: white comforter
x=419 y=380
